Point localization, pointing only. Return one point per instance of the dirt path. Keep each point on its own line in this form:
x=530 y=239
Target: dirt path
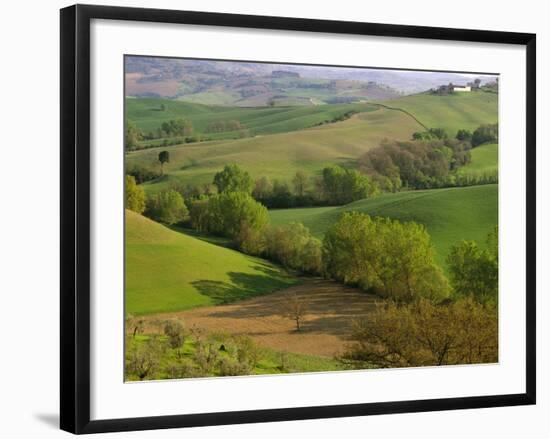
x=325 y=329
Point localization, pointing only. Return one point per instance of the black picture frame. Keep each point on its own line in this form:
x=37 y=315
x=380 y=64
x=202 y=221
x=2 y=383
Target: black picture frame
x=75 y=217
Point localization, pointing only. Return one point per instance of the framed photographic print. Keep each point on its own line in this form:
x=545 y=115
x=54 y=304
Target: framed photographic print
x=268 y=218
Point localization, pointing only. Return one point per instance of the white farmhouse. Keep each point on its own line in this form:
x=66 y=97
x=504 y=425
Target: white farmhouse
x=461 y=88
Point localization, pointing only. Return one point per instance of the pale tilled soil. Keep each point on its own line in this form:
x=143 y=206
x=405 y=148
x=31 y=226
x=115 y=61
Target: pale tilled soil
x=324 y=331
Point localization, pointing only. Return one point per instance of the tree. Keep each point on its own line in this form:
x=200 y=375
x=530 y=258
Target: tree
x=167 y=207
x=134 y=195
x=134 y=325
x=474 y=271
x=293 y=246
x=300 y=183
x=164 y=157
x=485 y=134
x=233 y=179
x=425 y=334
x=464 y=135
x=230 y=213
x=174 y=332
x=342 y=186
x=132 y=135
x=295 y=307
x=143 y=358
x=263 y=189
x=385 y=256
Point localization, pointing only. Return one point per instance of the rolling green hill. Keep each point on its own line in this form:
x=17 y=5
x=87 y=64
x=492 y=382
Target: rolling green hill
x=170 y=271
x=148 y=116
x=450 y=215
x=451 y=112
x=484 y=161
x=278 y=155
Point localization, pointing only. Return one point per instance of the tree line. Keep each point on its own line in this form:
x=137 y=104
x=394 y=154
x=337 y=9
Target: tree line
x=428 y=161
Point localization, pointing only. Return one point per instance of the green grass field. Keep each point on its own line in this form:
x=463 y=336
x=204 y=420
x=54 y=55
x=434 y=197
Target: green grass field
x=169 y=271
x=484 y=161
x=147 y=114
x=450 y=215
x=278 y=155
x=451 y=112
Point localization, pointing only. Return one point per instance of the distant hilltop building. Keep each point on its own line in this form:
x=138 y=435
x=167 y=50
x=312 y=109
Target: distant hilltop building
x=453 y=88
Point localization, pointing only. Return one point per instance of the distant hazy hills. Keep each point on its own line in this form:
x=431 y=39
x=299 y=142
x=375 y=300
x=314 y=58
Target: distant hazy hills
x=261 y=84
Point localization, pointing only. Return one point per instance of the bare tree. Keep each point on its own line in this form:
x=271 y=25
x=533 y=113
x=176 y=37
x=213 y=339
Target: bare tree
x=295 y=307
x=134 y=325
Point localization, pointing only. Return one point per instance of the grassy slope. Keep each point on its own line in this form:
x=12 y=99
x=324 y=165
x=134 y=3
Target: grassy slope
x=262 y=120
x=170 y=271
x=452 y=112
x=280 y=155
x=450 y=215
x=484 y=160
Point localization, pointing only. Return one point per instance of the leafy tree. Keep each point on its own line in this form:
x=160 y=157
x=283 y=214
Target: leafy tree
x=230 y=212
x=293 y=246
x=132 y=136
x=135 y=195
x=233 y=179
x=263 y=189
x=299 y=181
x=474 y=271
x=342 y=186
x=167 y=207
x=425 y=334
x=485 y=134
x=385 y=256
x=164 y=157
x=281 y=195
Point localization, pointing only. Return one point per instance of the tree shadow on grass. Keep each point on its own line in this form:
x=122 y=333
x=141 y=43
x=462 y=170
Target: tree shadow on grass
x=242 y=285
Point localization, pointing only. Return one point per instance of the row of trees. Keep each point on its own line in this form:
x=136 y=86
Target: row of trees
x=486 y=133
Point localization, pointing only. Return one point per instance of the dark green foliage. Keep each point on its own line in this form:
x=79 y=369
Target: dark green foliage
x=387 y=257
x=233 y=179
x=464 y=135
x=164 y=157
x=474 y=271
x=141 y=173
x=485 y=134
